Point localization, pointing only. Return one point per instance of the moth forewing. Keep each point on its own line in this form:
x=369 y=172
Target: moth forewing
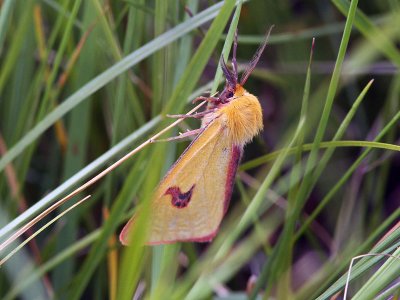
x=191 y=200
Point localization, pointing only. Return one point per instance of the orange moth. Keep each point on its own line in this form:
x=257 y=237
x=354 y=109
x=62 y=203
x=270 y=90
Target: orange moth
x=192 y=198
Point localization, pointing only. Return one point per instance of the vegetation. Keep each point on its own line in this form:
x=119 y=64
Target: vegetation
x=84 y=82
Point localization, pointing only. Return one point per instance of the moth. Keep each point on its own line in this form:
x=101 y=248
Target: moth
x=193 y=197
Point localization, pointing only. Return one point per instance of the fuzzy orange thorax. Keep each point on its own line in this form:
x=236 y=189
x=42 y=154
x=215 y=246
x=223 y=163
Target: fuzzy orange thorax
x=242 y=116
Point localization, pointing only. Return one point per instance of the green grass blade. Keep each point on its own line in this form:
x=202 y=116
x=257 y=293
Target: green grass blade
x=107 y=76
x=375 y=36
x=286 y=238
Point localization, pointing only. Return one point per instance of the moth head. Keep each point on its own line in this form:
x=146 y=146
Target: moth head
x=232 y=83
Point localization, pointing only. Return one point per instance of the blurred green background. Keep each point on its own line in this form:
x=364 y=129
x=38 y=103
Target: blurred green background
x=84 y=82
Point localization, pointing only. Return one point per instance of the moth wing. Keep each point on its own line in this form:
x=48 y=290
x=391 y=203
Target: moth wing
x=203 y=177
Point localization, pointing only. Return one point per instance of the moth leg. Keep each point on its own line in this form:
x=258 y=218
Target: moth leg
x=196 y=115
x=210 y=99
x=181 y=136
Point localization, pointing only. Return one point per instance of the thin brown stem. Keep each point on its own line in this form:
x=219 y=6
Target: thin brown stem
x=90 y=182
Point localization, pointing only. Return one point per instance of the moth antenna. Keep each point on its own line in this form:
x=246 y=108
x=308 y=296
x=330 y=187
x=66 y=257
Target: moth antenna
x=255 y=58
x=188 y=11
x=228 y=74
x=234 y=61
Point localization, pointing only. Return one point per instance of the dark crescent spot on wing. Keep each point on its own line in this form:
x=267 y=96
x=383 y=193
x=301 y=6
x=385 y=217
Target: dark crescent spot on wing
x=179 y=199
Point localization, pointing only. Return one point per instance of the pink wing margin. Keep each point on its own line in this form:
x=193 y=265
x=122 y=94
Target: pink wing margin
x=236 y=155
